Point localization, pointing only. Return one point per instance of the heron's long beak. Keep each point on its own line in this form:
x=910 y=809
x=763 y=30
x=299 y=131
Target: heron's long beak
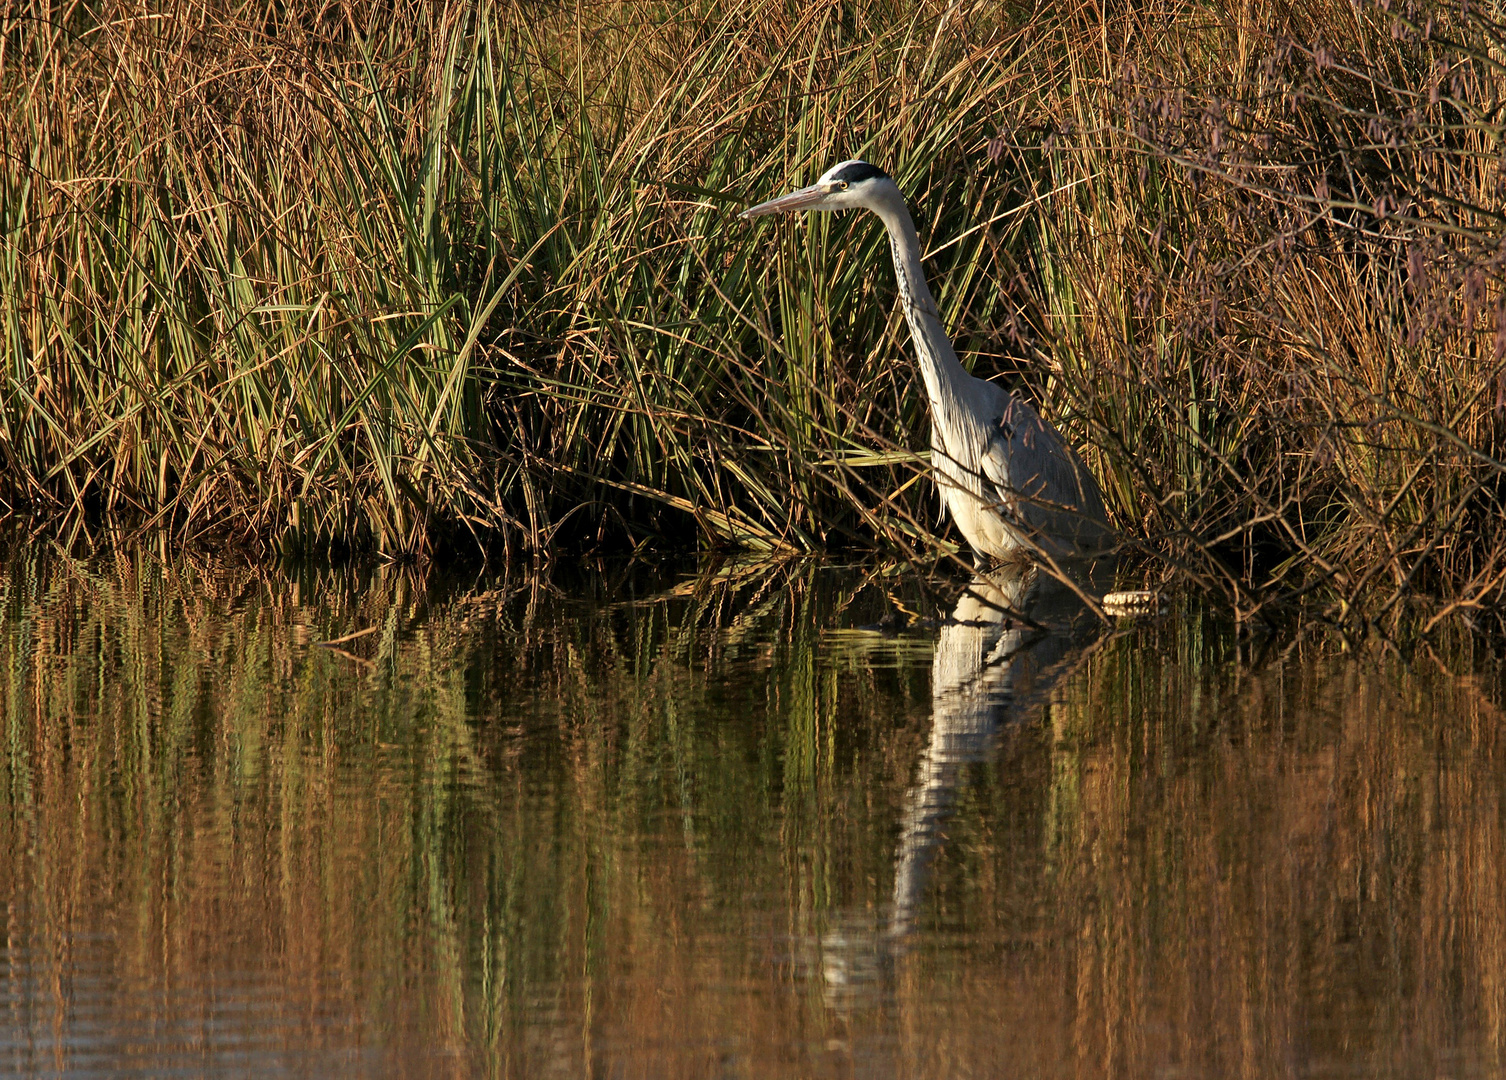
x=803 y=199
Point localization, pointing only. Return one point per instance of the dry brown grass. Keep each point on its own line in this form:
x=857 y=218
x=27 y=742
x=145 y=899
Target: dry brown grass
x=357 y=276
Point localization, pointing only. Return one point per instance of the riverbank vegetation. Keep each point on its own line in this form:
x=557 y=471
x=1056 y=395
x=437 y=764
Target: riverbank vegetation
x=410 y=276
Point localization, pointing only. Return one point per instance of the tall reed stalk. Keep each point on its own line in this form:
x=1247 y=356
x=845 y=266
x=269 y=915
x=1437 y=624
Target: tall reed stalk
x=392 y=276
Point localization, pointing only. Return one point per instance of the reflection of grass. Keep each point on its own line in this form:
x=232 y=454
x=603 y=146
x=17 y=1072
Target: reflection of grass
x=466 y=827
x=1314 y=830
x=388 y=276
x=538 y=826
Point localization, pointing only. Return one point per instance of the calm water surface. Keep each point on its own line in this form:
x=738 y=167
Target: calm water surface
x=661 y=826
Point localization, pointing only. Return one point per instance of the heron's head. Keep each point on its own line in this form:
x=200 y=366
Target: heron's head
x=847 y=186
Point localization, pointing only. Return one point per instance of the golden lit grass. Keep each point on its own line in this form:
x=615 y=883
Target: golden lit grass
x=388 y=277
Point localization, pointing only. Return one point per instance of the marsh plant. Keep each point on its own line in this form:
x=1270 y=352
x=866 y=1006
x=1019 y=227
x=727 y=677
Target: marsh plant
x=412 y=276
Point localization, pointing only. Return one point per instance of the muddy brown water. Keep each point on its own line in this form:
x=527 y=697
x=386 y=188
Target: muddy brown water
x=658 y=825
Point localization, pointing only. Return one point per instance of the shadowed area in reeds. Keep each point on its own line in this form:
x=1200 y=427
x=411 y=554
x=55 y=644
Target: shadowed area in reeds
x=412 y=276
x=641 y=827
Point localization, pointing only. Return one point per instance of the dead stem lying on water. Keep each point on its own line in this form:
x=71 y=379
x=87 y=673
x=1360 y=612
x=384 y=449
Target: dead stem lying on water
x=391 y=275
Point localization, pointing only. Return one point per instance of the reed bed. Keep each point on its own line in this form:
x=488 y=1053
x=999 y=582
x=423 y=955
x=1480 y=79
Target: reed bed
x=407 y=277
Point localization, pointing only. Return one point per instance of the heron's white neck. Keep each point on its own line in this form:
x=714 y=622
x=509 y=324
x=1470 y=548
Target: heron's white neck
x=939 y=366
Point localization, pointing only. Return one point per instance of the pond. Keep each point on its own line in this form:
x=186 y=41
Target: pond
x=638 y=823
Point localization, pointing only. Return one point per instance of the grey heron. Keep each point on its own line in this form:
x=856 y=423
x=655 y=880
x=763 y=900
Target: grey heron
x=1011 y=482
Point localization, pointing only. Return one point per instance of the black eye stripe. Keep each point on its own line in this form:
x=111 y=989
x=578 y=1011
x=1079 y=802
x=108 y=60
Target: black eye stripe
x=857 y=172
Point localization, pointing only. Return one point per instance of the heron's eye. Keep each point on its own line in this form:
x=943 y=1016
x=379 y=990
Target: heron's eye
x=843 y=183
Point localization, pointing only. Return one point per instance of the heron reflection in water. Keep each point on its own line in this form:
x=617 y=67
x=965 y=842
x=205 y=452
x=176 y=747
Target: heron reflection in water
x=1011 y=638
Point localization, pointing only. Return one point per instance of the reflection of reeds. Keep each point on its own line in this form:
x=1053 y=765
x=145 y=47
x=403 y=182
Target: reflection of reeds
x=351 y=275
x=436 y=841
x=537 y=831
x=1316 y=844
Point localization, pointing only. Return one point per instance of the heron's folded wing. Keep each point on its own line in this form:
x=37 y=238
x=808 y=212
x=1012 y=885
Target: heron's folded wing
x=1042 y=485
